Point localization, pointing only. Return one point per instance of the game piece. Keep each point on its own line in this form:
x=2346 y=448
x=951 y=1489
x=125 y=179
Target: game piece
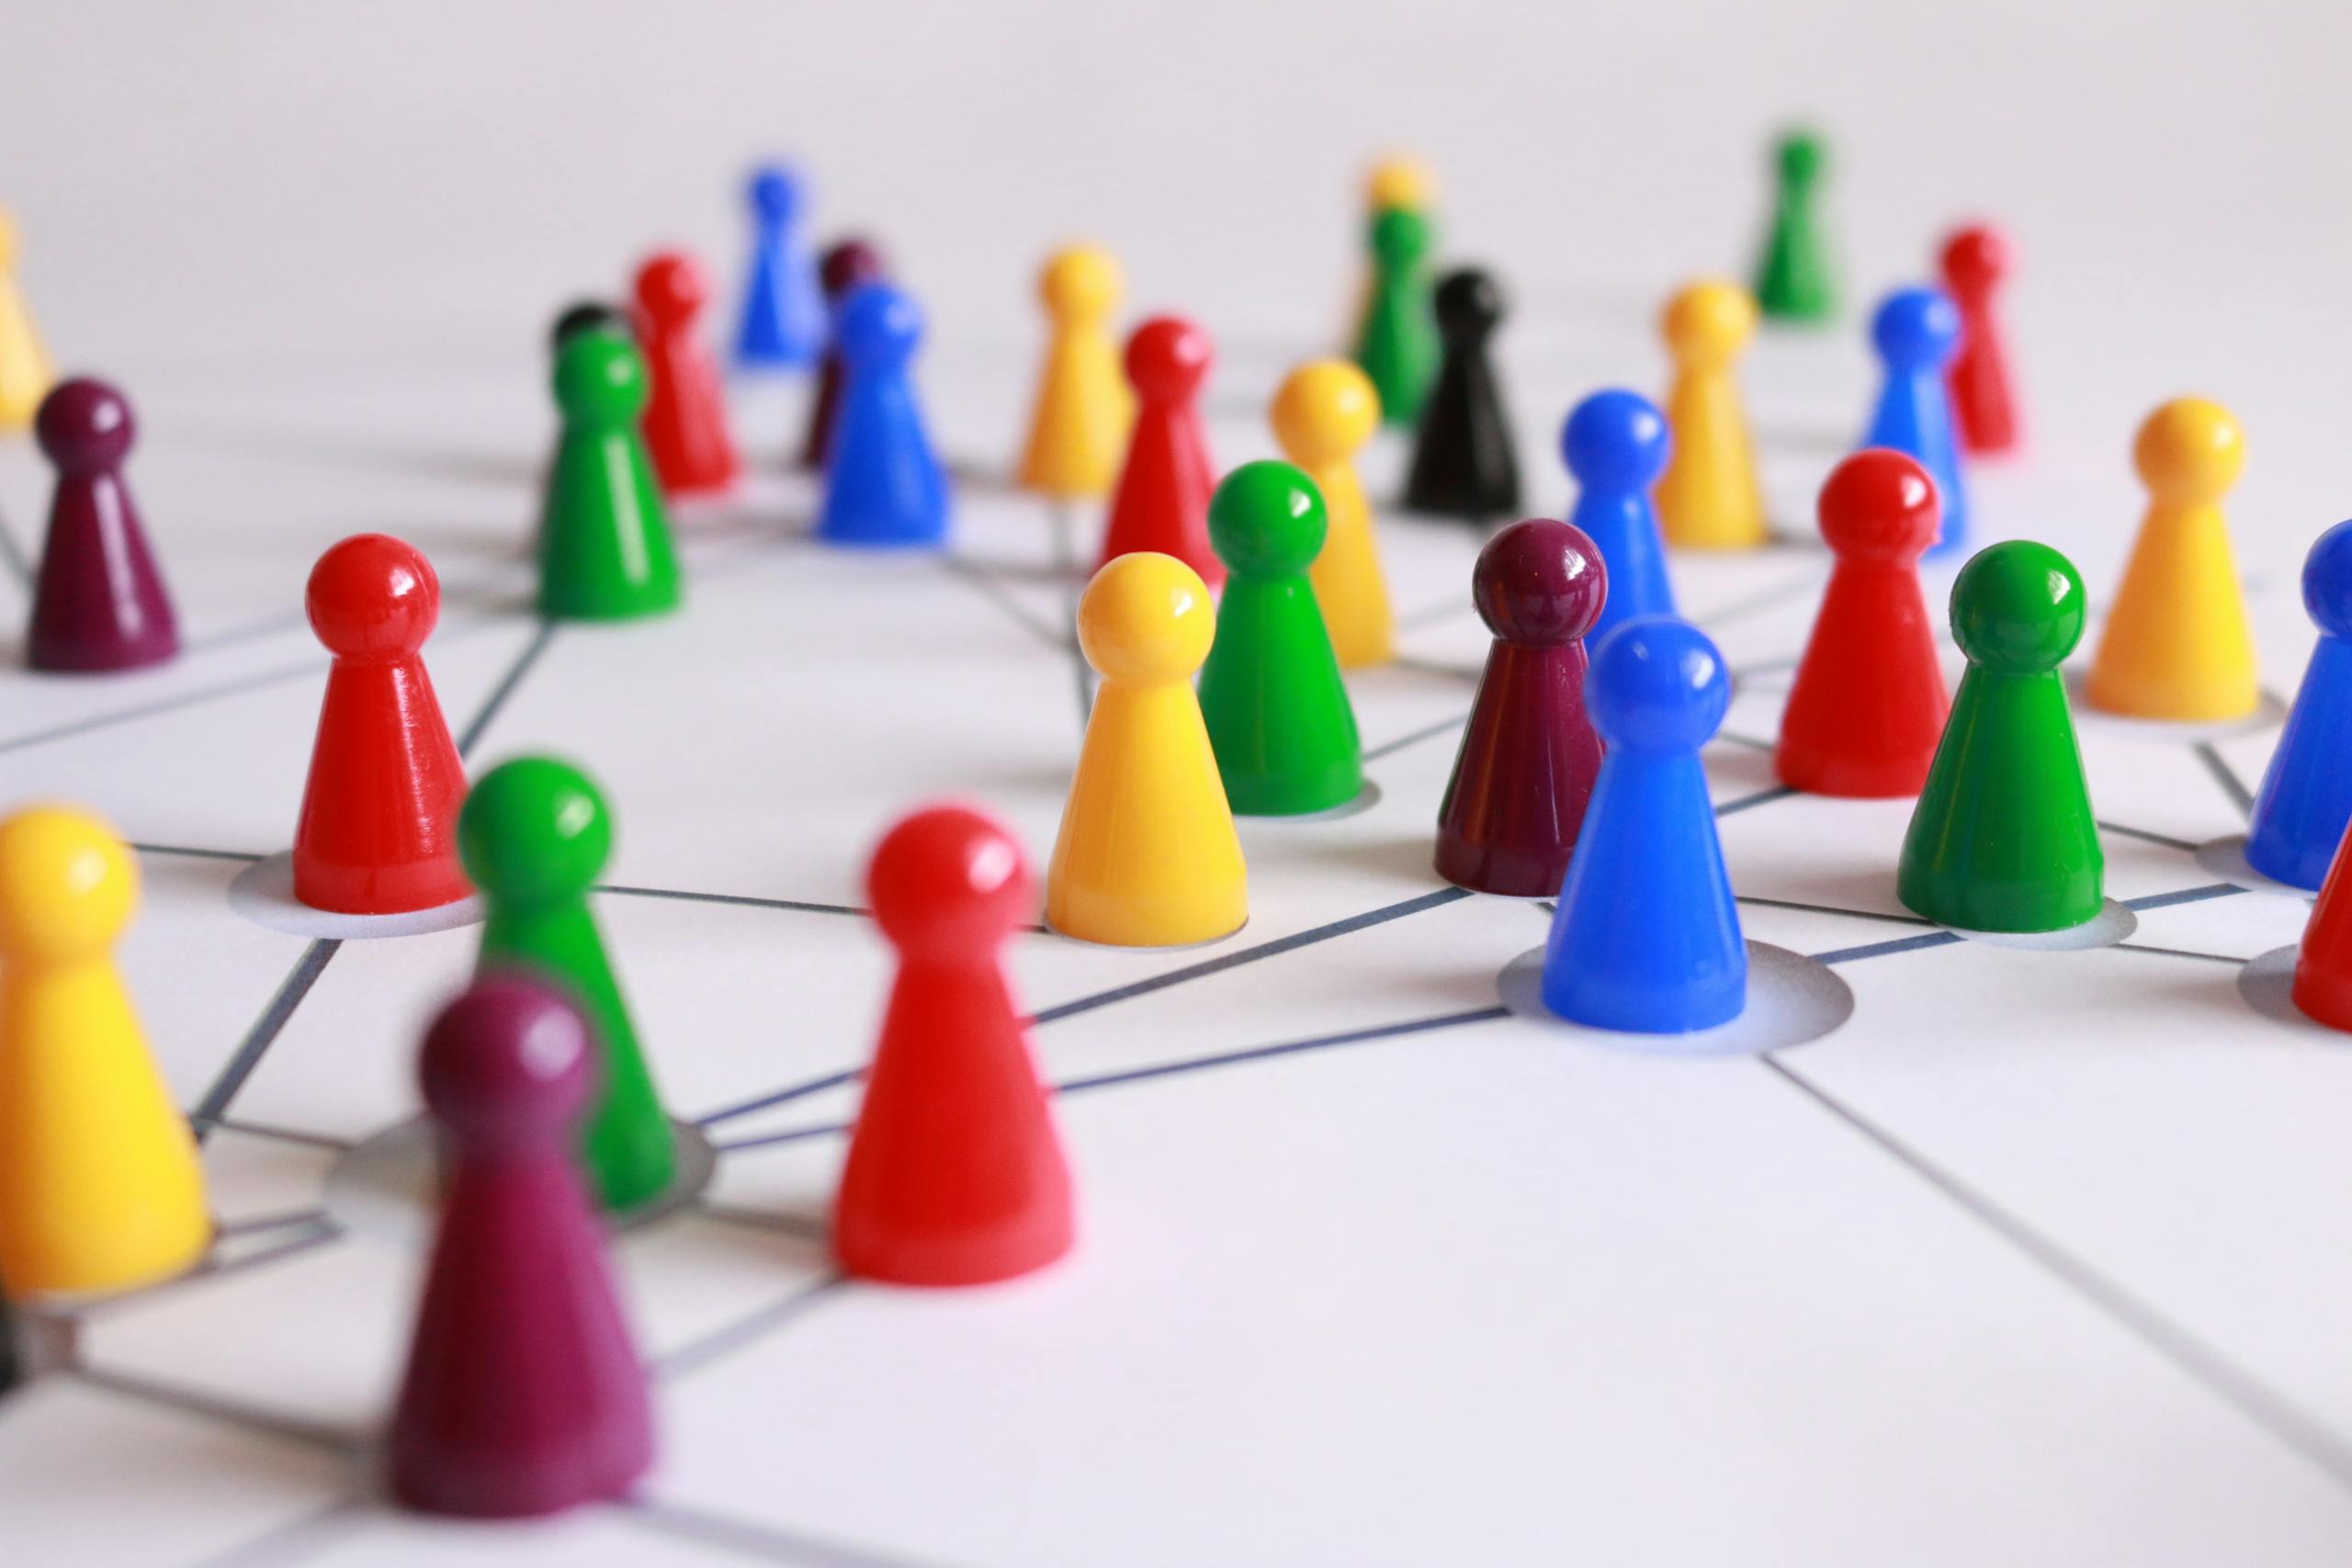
x=1983 y=402
x=1796 y=280
x=1868 y=705
x=1708 y=497
x=1464 y=462
x=1277 y=712
x=1916 y=332
x=581 y=316
x=783 y=323
x=1398 y=348
x=378 y=833
x=1396 y=181
x=2322 y=988
x=24 y=372
x=955 y=1174
x=1528 y=757
x=100 y=1191
x=685 y=408
x=883 y=484
x=1646 y=938
x=523 y=1394
x=2176 y=646
x=1615 y=444
x=1146 y=855
x=1078 y=426
x=1323 y=413
x=2003 y=839
x=99 y=603
x=605 y=552
x=1162 y=499
x=533 y=834
x=846 y=264
x=2304 y=805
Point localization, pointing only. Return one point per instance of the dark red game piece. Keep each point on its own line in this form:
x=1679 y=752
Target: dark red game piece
x=1525 y=770
x=1984 y=401
x=686 y=410
x=1162 y=499
x=99 y=603
x=523 y=1394
x=378 y=829
x=955 y=1175
x=844 y=266
x=1869 y=703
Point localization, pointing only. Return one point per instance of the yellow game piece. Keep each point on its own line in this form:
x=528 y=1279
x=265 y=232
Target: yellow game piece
x=1323 y=413
x=1077 y=429
x=25 y=371
x=1708 y=497
x=2176 y=645
x=99 y=1186
x=1400 y=179
x=1147 y=856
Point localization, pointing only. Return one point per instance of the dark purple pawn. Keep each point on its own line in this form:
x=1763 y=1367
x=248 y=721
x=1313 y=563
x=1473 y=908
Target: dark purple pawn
x=1528 y=759
x=844 y=266
x=99 y=603
x=523 y=1394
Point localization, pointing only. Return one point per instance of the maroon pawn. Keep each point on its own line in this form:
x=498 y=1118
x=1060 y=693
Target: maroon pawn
x=1526 y=767
x=523 y=1393
x=847 y=265
x=100 y=603
x=1984 y=401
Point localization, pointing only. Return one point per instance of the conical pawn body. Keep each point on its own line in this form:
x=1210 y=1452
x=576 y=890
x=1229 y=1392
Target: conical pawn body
x=1795 y=276
x=2176 y=646
x=1464 y=463
x=884 y=487
x=604 y=548
x=783 y=319
x=99 y=603
x=2323 y=983
x=1322 y=415
x=2304 y=805
x=1398 y=347
x=1708 y=497
x=1078 y=425
x=1162 y=499
x=1916 y=333
x=685 y=410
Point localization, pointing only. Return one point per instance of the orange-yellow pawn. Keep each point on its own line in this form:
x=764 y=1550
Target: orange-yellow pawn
x=1147 y=856
x=1708 y=497
x=1400 y=179
x=99 y=1187
x=1077 y=428
x=26 y=374
x=2176 y=644
x=1322 y=415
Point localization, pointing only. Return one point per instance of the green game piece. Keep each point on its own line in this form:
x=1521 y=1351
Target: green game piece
x=533 y=835
x=1399 y=345
x=605 y=552
x=2003 y=839
x=1796 y=280
x=1277 y=712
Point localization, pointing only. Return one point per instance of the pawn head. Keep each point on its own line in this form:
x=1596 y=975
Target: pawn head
x=877 y=326
x=1168 y=358
x=1539 y=583
x=584 y=316
x=84 y=425
x=534 y=831
x=67 y=886
x=1709 y=322
x=1616 y=441
x=949 y=879
x=2017 y=608
x=1657 y=684
x=2189 y=452
x=1880 y=507
x=1469 y=304
x=1267 y=517
x=1975 y=258
x=1402 y=180
x=672 y=288
x=847 y=264
x=1080 y=284
x=1324 y=412
x=1800 y=156
x=2327 y=581
x=1146 y=618
x=507 y=1062
x=1917 y=329
x=774 y=190
x=1401 y=237
x=373 y=596
x=599 y=378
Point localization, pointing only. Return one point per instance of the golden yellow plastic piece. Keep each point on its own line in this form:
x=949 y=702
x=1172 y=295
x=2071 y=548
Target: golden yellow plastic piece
x=1077 y=427
x=26 y=374
x=100 y=1190
x=1400 y=179
x=2176 y=645
x=1708 y=497
x=1322 y=415
x=1146 y=855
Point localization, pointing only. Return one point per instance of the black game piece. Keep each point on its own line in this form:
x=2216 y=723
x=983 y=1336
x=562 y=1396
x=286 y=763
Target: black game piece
x=1463 y=461
x=585 y=315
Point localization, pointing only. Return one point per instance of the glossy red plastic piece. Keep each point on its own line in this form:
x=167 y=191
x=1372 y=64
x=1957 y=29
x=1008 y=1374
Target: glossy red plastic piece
x=1525 y=771
x=846 y=266
x=99 y=603
x=1984 y=400
x=1162 y=499
x=1869 y=703
x=685 y=410
x=955 y=1174
x=378 y=829
x=2323 y=987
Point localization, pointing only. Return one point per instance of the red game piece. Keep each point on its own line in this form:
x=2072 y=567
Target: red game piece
x=1528 y=759
x=1975 y=260
x=99 y=603
x=846 y=266
x=523 y=1394
x=686 y=412
x=2323 y=988
x=1162 y=499
x=379 y=830
x=1869 y=703
x=955 y=1175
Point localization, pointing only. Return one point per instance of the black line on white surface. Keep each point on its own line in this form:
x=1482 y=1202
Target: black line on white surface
x=1882 y=949
x=791 y=906
x=1829 y=909
x=761 y=1542
x=1062 y=527
x=258 y=1039
x=252 y=1224
x=298 y=1539
x=1431 y=667
x=1426 y=732
x=1733 y=738
x=1430 y=614
x=781 y=1097
x=283 y=1135
x=2225 y=775
x=162 y=705
x=992 y=589
x=480 y=722
x=2166 y=840
x=807 y=1226
x=695 y=1354
x=19 y=564
x=1743 y=672
x=200 y=1402
x=1747 y=802
x=184 y=852
x=2186 y=896
x=2180 y=952
x=1761 y=600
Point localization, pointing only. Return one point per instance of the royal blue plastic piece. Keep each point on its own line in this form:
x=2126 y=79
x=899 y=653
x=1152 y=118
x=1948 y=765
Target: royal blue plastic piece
x=1616 y=445
x=1646 y=938
x=2305 y=802
x=884 y=485
x=1916 y=333
x=784 y=309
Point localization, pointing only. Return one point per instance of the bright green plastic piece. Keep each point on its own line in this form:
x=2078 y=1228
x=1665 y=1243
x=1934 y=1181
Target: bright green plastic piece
x=2003 y=839
x=604 y=550
x=1398 y=348
x=1277 y=711
x=1795 y=279
x=533 y=835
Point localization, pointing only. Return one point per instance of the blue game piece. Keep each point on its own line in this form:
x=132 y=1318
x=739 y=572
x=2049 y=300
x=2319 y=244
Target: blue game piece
x=1616 y=445
x=2305 y=802
x=1916 y=333
x=784 y=309
x=1646 y=938
x=884 y=485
